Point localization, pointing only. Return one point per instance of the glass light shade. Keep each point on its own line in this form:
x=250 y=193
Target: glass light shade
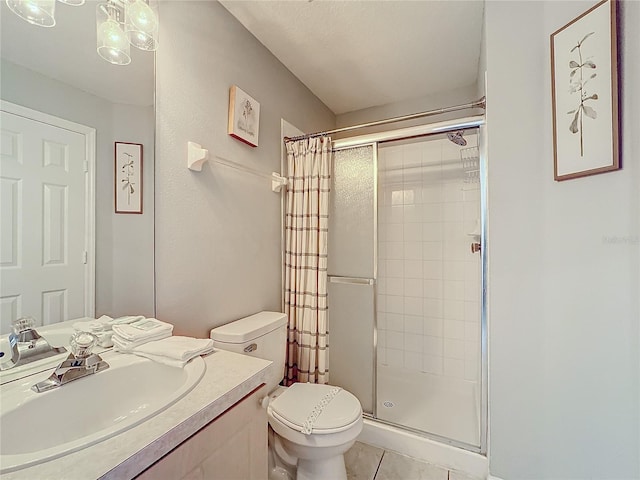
x=36 y=12
x=141 y=24
x=73 y=3
x=112 y=42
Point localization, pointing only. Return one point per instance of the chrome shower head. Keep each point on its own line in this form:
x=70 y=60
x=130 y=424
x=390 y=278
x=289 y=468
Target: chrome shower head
x=456 y=137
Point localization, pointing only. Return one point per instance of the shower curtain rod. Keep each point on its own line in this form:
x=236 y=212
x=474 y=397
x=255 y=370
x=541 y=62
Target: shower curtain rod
x=481 y=103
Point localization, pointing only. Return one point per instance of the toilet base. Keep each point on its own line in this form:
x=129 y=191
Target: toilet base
x=332 y=468
x=283 y=465
x=279 y=473
x=279 y=468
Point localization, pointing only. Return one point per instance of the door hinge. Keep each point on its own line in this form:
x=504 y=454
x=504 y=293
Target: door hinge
x=85 y=257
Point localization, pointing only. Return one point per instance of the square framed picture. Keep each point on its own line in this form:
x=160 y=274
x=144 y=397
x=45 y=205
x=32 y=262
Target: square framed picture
x=584 y=81
x=244 y=117
x=128 y=177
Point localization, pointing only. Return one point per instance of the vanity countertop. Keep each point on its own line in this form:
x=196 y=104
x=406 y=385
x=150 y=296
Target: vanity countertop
x=229 y=377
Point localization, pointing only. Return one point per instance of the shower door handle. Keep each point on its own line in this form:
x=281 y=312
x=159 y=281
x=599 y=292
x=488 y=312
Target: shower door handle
x=352 y=280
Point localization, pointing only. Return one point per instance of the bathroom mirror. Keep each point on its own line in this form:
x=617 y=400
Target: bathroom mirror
x=57 y=72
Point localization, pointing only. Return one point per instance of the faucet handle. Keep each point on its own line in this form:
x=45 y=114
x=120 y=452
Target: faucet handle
x=24 y=330
x=23 y=324
x=82 y=343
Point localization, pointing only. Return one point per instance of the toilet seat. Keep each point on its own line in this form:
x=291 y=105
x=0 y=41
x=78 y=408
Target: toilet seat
x=316 y=431
x=293 y=407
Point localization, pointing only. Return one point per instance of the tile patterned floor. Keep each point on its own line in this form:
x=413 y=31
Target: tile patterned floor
x=365 y=462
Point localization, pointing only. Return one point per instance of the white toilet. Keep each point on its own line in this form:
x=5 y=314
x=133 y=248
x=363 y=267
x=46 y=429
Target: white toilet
x=312 y=425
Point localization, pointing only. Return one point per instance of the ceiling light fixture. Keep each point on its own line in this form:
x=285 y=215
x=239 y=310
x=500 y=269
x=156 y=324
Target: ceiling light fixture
x=141 y=25
x=119 y=24
x=36 y=12
x=113 y=45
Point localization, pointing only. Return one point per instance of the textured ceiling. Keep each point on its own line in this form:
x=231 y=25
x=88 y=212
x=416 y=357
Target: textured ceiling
x=67 y=53
x=358 y=54
x=352 y=54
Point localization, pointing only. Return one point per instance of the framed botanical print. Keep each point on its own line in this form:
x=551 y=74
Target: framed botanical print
x=584 y=86
x=244 y=117
x=128 y=177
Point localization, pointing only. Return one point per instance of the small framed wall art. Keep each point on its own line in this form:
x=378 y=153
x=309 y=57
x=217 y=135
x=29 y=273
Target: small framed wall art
x=584 y=90
x=244 y=117
x=128 y=177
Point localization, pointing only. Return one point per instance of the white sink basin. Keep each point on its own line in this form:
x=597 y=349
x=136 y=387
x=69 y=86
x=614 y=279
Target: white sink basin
x=36 y=427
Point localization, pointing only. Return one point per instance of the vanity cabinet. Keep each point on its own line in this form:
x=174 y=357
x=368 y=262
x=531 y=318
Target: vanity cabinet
x=233 y=446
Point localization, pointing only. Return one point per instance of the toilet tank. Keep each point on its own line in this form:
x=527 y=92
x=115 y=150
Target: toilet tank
x=263 y=335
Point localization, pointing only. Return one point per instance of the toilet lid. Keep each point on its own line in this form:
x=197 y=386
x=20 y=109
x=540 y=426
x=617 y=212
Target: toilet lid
x=295 y=405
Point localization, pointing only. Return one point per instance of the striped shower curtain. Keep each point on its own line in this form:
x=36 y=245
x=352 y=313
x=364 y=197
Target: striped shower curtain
x=306 y=225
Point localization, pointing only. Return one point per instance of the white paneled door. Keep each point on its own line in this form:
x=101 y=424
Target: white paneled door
x=43 y=243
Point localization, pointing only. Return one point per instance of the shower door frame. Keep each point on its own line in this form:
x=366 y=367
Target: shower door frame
x=402 y=134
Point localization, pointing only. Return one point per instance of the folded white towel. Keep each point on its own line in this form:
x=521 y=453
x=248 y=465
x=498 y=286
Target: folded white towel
x=123 y=320
x=119 y=345
x=102 y=327
x=99 y=328
x=171 y=362
x=174 y=351
x=164 y=360
x=104 y=323
x=177 y=347
x=105 y=339
x=142 y=329
x=93 y=326
x=122 y=345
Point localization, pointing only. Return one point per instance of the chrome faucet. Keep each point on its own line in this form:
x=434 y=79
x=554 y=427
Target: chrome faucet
x=80 y=363
x=27 y=345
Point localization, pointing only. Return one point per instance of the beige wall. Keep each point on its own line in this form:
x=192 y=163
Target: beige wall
x=564 y=265
x=218 y=231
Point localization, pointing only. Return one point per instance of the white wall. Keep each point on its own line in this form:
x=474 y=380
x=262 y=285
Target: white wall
x=112 y=122
x=564 y=265
x=482 y=62
x=448 y=98
x=218 y=231
x=132 y=242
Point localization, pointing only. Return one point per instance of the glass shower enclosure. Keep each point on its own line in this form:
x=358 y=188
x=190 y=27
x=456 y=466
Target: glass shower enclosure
x=406 y=280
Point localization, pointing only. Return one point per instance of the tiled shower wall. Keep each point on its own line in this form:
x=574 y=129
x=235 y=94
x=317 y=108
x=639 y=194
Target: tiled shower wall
x=428 y=280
